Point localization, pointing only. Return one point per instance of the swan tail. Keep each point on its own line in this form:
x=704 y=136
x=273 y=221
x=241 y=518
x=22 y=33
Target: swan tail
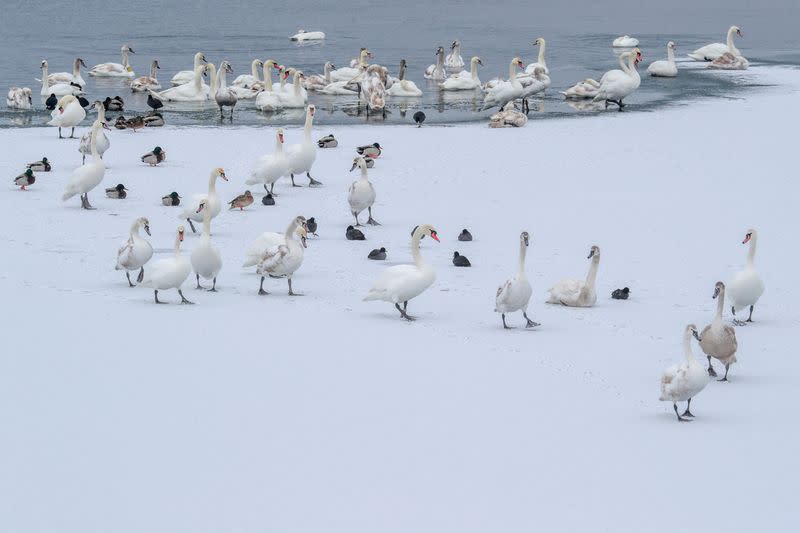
x=250 y=262
x=67 y=195
x=373 y=295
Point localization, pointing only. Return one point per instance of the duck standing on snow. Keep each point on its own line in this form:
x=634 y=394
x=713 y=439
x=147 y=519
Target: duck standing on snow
x=283 y=260
x=68 y=114
x=515 y=293
x=361 y=194
x=718 y=340
x=169 y=273
x=211 y=199
x=665 y=68
x=136 y=251
x=88 y=176
x=155 y=157
x=241 y=201
x=20 y=98
x=401 y=283
x=25 y=179
x=311 y=226
x=302 y=156
x=205 y=258
x=576 y=293
x=747 y=286
x=119 y=192
x=40 y=166
x=465 y=235
x=681 y=383
x=115 y=70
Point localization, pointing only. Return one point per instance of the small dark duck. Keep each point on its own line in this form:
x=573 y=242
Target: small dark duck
x=353 y=234
x=119 y=192
x=460 y=260
x=172 y=199
x=378 y=254
x=25 y=179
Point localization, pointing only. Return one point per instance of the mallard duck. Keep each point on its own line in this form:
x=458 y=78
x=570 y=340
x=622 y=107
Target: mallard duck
x=40 y=166
x=153 y=120
x=119 y=192
x=268 y=200
x=113 y=104
x=121 y=123
x=372 y=150
x=172 y=199
x=465 y=235
x=460 y=260
x=419 y=118
x=25 y=179
x=328 y=142
x=155 y=157
x=369 y=161
x=353 y=234
x=377 y=254
x=242 y=201
x=136 y=122
x=85 y=103
x=51 y=102
x=311 y=226
x=621 y=294
x=154 y=103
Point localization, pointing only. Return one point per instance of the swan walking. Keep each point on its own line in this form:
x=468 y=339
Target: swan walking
x=301 y=156
x=86 y=177
x=615 y=85
x=747 y=286
x=169 y=273
x=269 y=168
x=402 y=86
x=205 y=257
x=401 y=283
x=361 y=194
x=142 y=83
x=136 y=251
x=20 y=98
x=436 y=71
x=712 y=51
x=186 y=76
x=103 y=144
x=682 y=382
x=718 y=340
x=59 y=88
x=453 y=62
x=283 y=260
x=210 y=199
x=577 y=293
x=464 y=81
x=115 y=70
x=665 y=68
x=515 y=293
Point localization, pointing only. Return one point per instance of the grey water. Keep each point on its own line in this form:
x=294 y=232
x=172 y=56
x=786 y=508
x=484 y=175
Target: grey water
x=578 y=35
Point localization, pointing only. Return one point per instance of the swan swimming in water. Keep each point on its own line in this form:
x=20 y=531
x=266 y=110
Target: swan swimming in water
x=115 y=70
x=20 y=98
x=626 y=41
x=505 y=91
x=453 y=61
x=303 y=35
x=464 y=80
x=194 y=91
x=142 y=83
x=186 y=76
x=66 y=77
x=615 y=85
x=665 y=68
x=402 y=86
x=58 y=89
x=436 y=71
x=712 y=51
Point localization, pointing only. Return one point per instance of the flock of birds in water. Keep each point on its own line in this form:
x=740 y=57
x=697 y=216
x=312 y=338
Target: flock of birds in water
x=368 y=82
x=280 y=255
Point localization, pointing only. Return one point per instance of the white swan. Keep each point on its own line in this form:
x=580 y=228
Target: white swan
x=283 y=260
x=747 y=286
x=205 y=257
x=533 y=84
x=211 y=199
x=361 y=194
x=403 y=87
x=248 y=80
x=728 y=61
x=67 y=114
x=86 y=177
x=295 y=96
x=66 y=77
x=577 y=293
x=583 y=89
x=348 y=73
x=626 y=41
x=712 y=51
x=186 y=76
x=615 y=85
x=464 y=81
x=270 y=167
x=665 y=68
x=194 y=91
x=505 y=91
x=136 y=251
x=58 y=89
x=267 y=98
x=453 y=62
x=225 y=96
x=515 y=293
x=266 y=241
x=102 y=142
x=169 y=273
x=303 y=35
x=436 y=71
x=115 y=70
x=302 y=156
x=540 y=62
x=317 y=82
x=401 y=283
x=718 y=340
x=142 y=83
x=20 y=98
x=682 y=382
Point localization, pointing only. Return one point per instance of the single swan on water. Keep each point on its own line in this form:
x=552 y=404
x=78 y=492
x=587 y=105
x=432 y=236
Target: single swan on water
x=515 y=293
x=169 y=273
x=402 y=86
x=115 y=70
x=747 y=286
x=142 y=83
x=401 y=283
x=712 y=51
x=205 y=257
x=136 y=251
x=577 y=293
x=453 y=61
x=682 y=382
x=86 y=177
x=464 y=80
x=303 y=35
x=665 y=68
x=718 y=340
x=540 y=62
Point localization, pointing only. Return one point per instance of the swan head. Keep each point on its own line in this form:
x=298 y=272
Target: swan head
x=279 y=135
x=538 y=42
x=440 y=51
x=719 y=287
x=671 y=45
x=270 y=63
x=691 y=331
x=311 y=110
x=79 y=61
x=181 y=233
x=358 y=162
x=455 y=44
x=219 y=172
x=736 y=30
x=518 y=62
x=525 y=238
x=426 y=229
x=142 y=221
x=329 y=66
x=227 y=67
x=126 y=49
x=155 y=64
x=751 y=233
x=98 y=104
x=43 y=65
x=200 y=56
x=637 y=56
x=476 y=60
x=594 y=252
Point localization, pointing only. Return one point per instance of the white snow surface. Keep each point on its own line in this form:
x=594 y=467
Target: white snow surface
x=324 y=413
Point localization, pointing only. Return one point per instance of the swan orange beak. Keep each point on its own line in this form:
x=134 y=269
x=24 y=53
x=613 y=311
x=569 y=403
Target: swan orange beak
x=280 y=136
x=180 y=236
x=435 y=236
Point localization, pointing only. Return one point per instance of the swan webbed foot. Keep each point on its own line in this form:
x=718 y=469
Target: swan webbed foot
x=85 y=202
x=687 y=413
x=505 y=326
x=183 y=298
x=680 y=418
x=312 y=182
x=261 y=290
x=213 y=286
x=156 y=297
x=128 y=275
x=403 y=313
x=291 y=292
x=750 y=318
x=725 y=377
x=293 y=183
x=140 y=277
x=530 y=323
x=737 y=322
x=199 y=287
x=191 y=225
x=372 y=222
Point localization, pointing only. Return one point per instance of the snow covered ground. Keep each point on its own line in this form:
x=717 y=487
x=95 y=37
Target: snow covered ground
x=328 y=414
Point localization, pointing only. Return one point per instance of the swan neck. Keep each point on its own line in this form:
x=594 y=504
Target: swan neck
x=268 y=77
x=177 y=245
x=512 y=71
x=540 y=60
x=206 y=224
x=364 y=173
x=415 y=253
x=720 y=305
x=474 y=70
x=402 y=75
x=198 y=74
x=125 y=59
x=135 y=228
x=670 y=55
x=76 y=69
x=440 y=60
x=254 y=69
x=522 y=252
x=212 y=183
x=153 y=70
x=751 y=253
x=222 y=79
x=307 y=129
x=591 y=276
x=289 y=233
x=687 y=347
x=95 y=131
x=731 y=46
x=45 y=83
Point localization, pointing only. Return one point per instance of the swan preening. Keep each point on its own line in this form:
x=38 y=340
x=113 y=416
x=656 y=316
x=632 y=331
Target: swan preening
x=515 y=293
x=682 y=382
x=666 y=68
x=712 y=51
x=577 y=293
x=283 y=260
x=747 y=286
x=211 y=201
x=718 y=340
x=401 y=283
x=169 y=273
x=136 y=251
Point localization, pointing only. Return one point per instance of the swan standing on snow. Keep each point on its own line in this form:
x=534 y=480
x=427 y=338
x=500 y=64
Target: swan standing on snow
x=303 y=35
x=169 y=273
x=267 y=240
x=186 y=76
x=67 y=114
x=505 y=91
x=718 y=340
x=615 y=85
x=283 y=260
x=540 y=62
x=712 y=51
x=747 y=286
x=194 y=91
x=58 y=89
x=302 y=156
x=665 y=68
x=436 y=71
x=464 y=81
x=206 y=259
x=361 y=194
x=270 y=167
x=135 y=252
x=20 y=98
x=66 y=77
x=403 y=87
x=115 y=70
x=401 y=283
x=626 y=41
x=103 y=144
x=453 y=62
x=225 y=96
x=211 y=199
x=576 y=293
x=86 y=177
x=515 y=293
x=142 y=83
x=681 y=383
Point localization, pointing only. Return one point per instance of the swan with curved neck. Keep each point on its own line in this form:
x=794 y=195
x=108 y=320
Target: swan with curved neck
x=88 y=176
x=718 y=340
x=115 y=70
x=576 y=293
x=615 y=85
x=186 y=76
x=747 y=286
x=682 y=382
x=135 y=252
x=143 y=83
x=66 y=77
x=211 y=199
x=713 y=51
x=283 y=260
x=67 y=114
x=515 y=293
x=194 y=91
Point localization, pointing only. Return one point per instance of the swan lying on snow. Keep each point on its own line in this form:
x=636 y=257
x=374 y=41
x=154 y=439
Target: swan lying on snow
x=576 y=293
x=681 y=383
x=665 y=68
x=712 y=51
x=303 y=35
x=508 y=117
